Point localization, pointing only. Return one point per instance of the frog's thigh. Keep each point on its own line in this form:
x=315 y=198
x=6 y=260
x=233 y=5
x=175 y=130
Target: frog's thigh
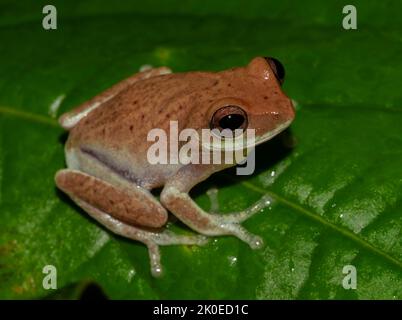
x=128 y=205
x=70 y=119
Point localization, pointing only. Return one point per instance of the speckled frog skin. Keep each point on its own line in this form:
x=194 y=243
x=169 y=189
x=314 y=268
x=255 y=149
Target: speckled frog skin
x=110 y=177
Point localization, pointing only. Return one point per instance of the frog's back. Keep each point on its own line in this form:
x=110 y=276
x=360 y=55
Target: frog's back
x=117 y=131
x=127 y=118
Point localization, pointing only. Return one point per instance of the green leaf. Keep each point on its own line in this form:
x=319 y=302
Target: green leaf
x=337 y=193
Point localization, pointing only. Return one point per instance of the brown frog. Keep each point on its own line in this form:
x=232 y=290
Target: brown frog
x=110 y=177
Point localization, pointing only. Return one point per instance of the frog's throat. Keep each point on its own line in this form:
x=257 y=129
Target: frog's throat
x=241 y=143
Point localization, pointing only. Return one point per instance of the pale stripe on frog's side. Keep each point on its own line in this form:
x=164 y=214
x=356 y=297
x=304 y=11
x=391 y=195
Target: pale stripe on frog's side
x=70 y=120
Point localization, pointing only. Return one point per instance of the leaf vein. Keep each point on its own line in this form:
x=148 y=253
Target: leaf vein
x=346 y=233
x=28 y=116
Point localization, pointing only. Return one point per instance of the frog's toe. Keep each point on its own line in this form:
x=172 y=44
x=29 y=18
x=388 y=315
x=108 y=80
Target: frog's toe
x=155 y=259
x=241 y=216
x=235 y=229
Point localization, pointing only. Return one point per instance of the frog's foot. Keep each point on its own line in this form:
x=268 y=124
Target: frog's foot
x=241 y=216
x=237 y=217
x=220 y=226
x=167 y=238
x=212 y=224
x=150 y=238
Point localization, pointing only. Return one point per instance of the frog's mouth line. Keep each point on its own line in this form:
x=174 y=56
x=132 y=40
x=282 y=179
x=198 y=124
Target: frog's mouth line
x=241 y=143
x=275 y=132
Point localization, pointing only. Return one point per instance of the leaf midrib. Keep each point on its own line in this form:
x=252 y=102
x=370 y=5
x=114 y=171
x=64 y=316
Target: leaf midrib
x=319 y=219
x=29 y=116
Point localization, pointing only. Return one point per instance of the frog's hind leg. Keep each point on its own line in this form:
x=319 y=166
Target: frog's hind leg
x=151 y=239
x=123 y=211
x=70 y=119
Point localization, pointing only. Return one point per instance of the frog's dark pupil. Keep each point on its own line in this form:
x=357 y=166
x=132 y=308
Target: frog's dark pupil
x=231 y=121
x=278 y=68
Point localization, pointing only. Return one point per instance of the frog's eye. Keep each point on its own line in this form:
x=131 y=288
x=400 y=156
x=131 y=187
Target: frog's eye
x=277 y=67
x=229 y=117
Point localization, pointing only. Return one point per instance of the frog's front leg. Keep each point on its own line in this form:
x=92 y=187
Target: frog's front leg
x=241 y=216
x=175 y=197
x=123 y=211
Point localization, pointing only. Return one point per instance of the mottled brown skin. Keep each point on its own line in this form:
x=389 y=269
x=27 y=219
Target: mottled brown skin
x=123 y=204
x=109 y=175
x=123 y=122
